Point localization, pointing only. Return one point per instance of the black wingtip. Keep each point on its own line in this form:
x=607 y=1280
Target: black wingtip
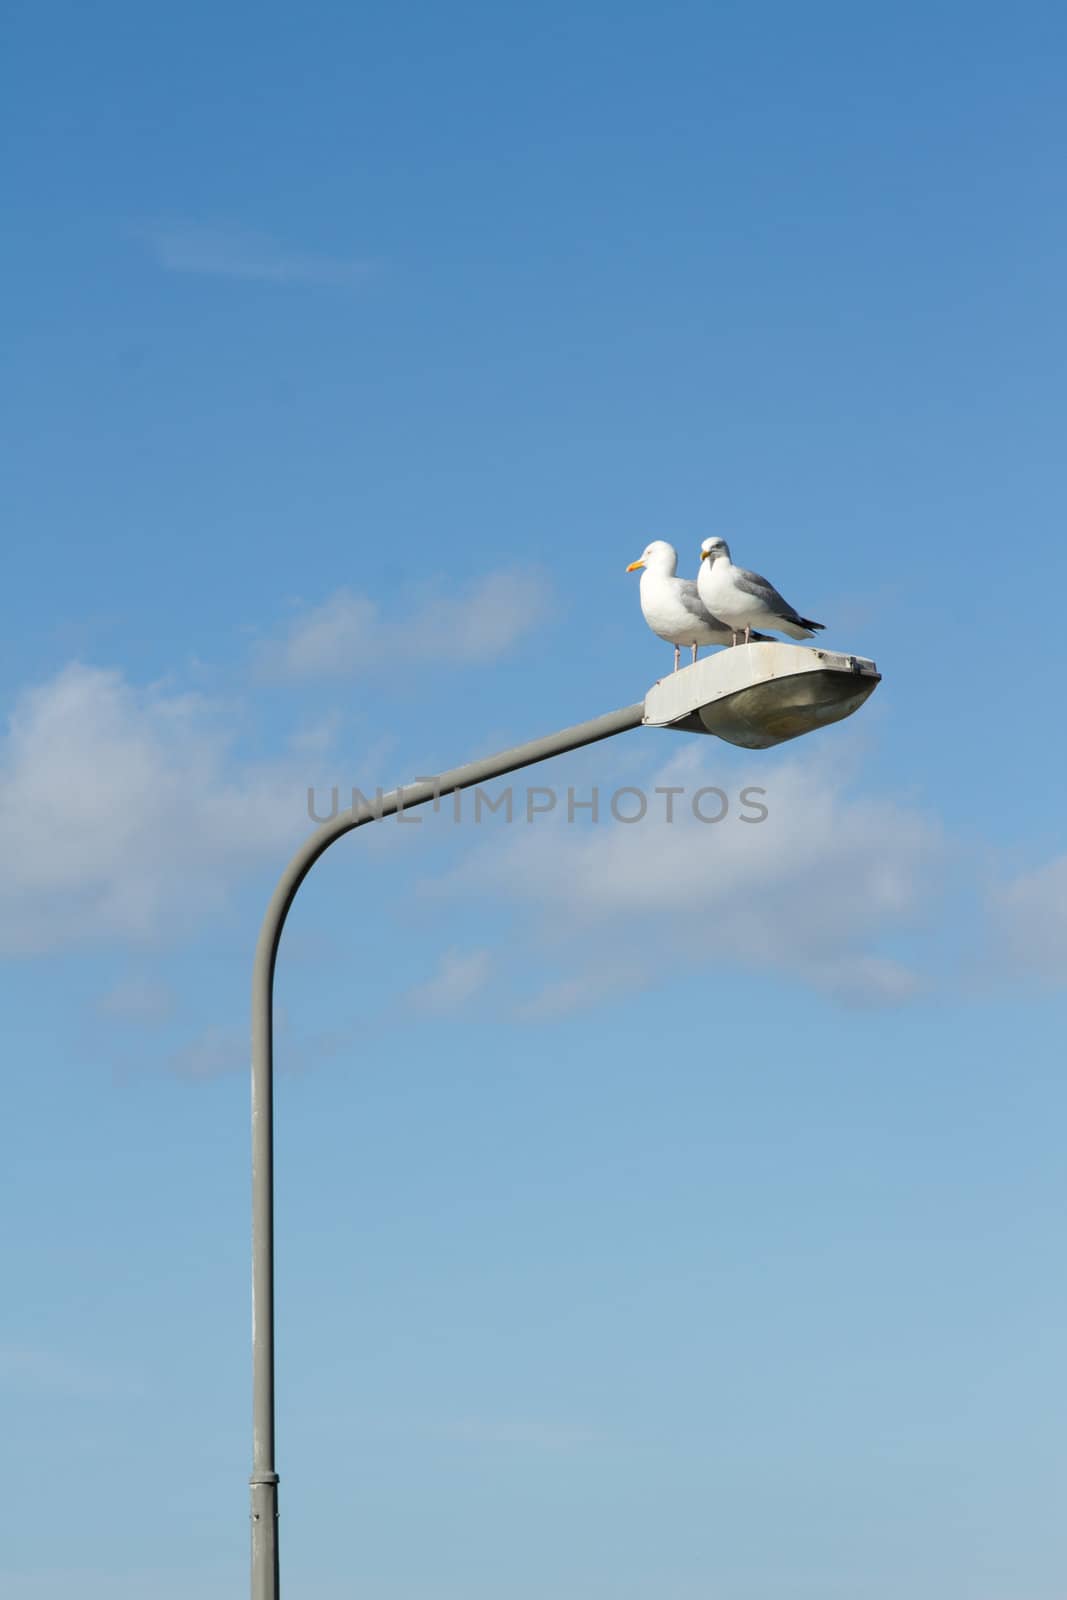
x=816 y=627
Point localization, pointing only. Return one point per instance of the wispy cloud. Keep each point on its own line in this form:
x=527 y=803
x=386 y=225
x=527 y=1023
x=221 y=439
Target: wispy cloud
x=221 y=1050
x=147 y=1002
x=215 y=1052
x=224 y=252
x=460 y=975
x=348 y=632
x=1029 y=920
x=562 y=996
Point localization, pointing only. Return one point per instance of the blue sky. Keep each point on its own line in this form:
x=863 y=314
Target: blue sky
x=663 y=1211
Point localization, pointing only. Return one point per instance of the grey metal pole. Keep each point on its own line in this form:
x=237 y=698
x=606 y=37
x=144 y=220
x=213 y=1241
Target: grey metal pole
x=264 y=1480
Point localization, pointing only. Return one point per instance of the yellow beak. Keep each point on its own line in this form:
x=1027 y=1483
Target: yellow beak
x=704 y=554
x=634 y=566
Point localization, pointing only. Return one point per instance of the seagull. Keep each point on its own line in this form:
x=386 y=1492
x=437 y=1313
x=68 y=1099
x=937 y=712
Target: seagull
x=743 y=598
x=672 y=607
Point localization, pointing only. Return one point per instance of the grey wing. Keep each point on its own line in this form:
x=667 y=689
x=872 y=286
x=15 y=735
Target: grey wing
x=766 y=593
x=689 y=595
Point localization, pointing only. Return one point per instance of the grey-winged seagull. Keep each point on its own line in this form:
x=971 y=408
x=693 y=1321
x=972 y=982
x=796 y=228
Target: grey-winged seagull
x=671 y=606
x=742 y=599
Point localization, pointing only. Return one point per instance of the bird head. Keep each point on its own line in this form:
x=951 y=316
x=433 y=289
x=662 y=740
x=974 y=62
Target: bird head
x=713 y=548
x=659 y=556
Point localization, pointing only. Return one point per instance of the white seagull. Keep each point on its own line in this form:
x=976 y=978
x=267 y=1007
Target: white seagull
x=743 y=598
x=671 y=606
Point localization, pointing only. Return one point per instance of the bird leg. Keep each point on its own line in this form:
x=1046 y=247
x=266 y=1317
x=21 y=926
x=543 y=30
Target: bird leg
x=748 y=630
x=733 y=636
x=696 y=647
x=677 y=656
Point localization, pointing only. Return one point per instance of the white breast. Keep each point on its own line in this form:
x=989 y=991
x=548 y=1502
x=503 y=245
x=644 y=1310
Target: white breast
x=669 y=618
x=721 y=594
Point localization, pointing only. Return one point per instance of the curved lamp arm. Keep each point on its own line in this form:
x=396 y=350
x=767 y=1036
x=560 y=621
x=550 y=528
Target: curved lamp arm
x=264 y=1480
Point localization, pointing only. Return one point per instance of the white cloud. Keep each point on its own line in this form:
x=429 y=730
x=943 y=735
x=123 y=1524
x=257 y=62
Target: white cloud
x=215 y=1052
x=136 y=999
x=868 y=981
x=459 y=977
x=348 y=632
x=220 y=1050
x=562 y=996
x=1029 y=917
x=333 y=638
x=222 y=252
x=124 y=814
x=813 y=891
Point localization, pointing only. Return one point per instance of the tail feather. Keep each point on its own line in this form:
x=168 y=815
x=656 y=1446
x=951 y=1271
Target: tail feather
x=797 y=627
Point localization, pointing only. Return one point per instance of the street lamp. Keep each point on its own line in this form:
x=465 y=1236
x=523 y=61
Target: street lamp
x=757 y=695
x=753 y=695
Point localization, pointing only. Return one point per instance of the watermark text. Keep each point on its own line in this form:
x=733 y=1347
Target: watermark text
x=627 y=805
